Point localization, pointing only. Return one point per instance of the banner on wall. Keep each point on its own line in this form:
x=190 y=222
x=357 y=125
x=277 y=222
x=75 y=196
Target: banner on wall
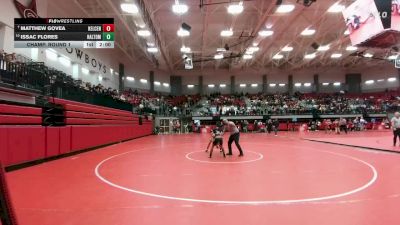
x=89 y=61
x=27 y=12
x=396 y=15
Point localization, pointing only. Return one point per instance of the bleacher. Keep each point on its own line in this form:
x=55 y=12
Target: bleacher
x=17 y=115
x=26 y=136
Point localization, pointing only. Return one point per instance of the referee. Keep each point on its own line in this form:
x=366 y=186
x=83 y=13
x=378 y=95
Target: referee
x=396 y=127
x=234 y=137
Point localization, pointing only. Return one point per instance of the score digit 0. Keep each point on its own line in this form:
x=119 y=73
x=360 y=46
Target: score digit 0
x=108 y=37
x=108 y=27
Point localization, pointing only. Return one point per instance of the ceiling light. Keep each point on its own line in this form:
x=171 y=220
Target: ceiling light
x=182 y=33
x=351 y=48
x=165 y=84
x=185 y=49
x=190 y=86
x=287 y=49
x=282 y=85
x=222 y=85
x=221 y=50
x=143 y=33
x=392 y=79
x=247 y=56
x=325 y=84
x=254 y=85
x=254 y=49
x=179 y=8
x=336 y=8
x=218 y=56
x=369 y=82
x=265 y=33
x=336 y=84
x=392 y=57
x=235 y=8
x=64 y=61
x=144 y=81
x=381 y=80
x=85 y=71
x=307 y=84
x=323 y=48
x=272 y=85
x=51 y=54
x=130 y=78
x=308 y=32
x=211 y=85
x=150 y=44
x=368 y=55
x=336 y=55
x=278 y=56
x=310 y=56
x=285 y=8
x=297 y=84
x=242 y=85
x=157 y=83
x=129 y=8
x=152 y=49
x=226 y=33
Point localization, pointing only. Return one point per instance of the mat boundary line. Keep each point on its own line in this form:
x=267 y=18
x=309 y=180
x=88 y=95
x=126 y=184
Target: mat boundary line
x=354 y=146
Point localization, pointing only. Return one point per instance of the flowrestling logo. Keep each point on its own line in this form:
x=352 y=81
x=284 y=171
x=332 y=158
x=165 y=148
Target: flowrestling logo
x=27 y=12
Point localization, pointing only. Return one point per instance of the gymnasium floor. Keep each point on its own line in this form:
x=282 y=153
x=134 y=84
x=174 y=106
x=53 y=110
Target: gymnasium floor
x=169 y=180
x=379 y=140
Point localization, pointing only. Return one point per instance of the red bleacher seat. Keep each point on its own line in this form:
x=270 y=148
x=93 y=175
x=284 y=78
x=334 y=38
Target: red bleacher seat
x=14 y=119
x=85 y=115
x=81 y=121
x=250 y=127
x=78 y=108
x=19 y=110
x=283 y=127
x=68 y=102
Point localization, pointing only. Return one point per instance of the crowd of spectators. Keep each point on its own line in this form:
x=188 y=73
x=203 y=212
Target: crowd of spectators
x=226 y=104
x=145 y=102
x=160 y=104
x=300 y=104
x=242 y=104
x=100 y=89
x=338 y=103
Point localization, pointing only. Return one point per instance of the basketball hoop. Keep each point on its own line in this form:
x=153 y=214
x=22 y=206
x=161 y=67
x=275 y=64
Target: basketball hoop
x=397 y=62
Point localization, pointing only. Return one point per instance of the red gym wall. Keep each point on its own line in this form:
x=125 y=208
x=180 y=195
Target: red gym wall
x=21 y=144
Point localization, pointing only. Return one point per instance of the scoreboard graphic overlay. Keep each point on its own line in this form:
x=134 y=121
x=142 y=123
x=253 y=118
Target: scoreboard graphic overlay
x=64 y=32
